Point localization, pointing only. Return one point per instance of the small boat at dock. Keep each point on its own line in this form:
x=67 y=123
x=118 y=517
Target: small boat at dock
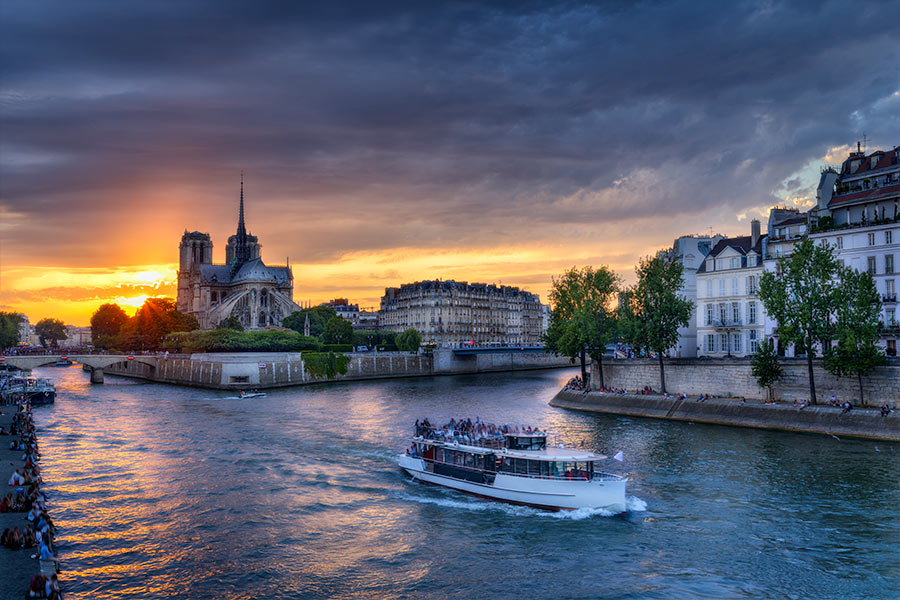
x=514 y=467
x=35 y=390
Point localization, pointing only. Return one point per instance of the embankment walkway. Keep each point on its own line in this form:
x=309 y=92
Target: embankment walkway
x=859 y=422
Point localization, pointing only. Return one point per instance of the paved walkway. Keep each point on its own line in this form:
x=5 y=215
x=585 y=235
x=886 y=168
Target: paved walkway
x=16 y=566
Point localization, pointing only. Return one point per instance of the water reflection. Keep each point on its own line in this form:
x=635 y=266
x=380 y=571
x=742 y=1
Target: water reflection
x=163 y=492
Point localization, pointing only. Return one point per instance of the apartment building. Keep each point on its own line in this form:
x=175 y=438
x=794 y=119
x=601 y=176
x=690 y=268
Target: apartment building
x=455 y=314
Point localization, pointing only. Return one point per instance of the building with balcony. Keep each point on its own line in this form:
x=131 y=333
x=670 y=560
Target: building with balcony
x=730 y=317
x=857 y=212
x=455 y=314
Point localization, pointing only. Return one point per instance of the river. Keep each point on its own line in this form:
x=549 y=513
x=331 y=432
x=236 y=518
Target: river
x=161 y=491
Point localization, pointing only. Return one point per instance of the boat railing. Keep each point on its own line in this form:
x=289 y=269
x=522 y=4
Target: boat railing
x=494 y=442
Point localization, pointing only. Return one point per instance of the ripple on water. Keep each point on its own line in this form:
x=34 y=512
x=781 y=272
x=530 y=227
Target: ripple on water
x=165 y=492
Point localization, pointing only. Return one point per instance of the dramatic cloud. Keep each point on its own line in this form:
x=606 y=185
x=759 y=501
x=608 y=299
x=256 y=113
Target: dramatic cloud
x=553 y=131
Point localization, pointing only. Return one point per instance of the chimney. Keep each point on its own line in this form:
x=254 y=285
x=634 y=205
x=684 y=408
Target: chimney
x=754 y=233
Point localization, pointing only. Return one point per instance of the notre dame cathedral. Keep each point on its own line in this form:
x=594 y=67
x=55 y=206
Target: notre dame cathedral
x=244 y=287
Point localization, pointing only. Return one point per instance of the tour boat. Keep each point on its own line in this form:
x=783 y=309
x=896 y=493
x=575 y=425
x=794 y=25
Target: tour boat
x=518 y=468
x=245 y=395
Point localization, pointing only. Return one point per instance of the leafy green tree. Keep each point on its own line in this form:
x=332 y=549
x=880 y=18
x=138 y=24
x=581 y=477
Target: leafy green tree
x=325 y=364
x=373 y=338
x=765 y=366
x=338 y=330
x=801 y=297
x=318 y=317
x=231 y=323
x=152 y=322
x=583 y=321
x=50 y=331
x=651 y=310
x=409 y=340
x=107 y=322
x=856 y=323
x=9 y=329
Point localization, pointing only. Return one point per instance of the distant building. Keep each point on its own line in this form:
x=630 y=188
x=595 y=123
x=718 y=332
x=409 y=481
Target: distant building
x=244 y=287
x=729 y=314
x=345 y=310
x=690 y=251
x=454 y=314
x=78 y=337
x=858 y=214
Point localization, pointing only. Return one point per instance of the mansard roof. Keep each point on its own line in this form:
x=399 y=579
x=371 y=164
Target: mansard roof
x=884 y=159
x=740 y=244
x=882 y=193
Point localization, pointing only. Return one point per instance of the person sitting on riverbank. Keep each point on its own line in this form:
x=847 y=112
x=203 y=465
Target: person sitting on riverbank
x=38 y=587
x=17 y=479
x=885 y=409
x=847 y=407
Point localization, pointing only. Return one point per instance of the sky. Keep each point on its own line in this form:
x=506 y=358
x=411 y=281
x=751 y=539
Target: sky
x=388 y=142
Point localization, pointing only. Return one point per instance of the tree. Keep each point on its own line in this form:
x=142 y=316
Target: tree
x=318 y=317
x=50 y=331
x=801 y=297
x=583 y=321
x=857 y=318
x=338 y=330
x=9 y=329
x=325 y=364
x=651 y=310
x=152 y=322
x=765 y=366
x=409 y=340
x=107 y=321
x=231 y=323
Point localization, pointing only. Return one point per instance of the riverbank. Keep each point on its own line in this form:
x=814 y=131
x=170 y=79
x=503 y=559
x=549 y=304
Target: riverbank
x=859 y=422
x=17 y=568
x=269 y=370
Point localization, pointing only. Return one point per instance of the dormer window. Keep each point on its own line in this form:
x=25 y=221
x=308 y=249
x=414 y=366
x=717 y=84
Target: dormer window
x=873 y=161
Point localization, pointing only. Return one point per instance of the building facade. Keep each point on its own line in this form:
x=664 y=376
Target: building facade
x=455 y=314
x=858 y=214
x=690 y=251
x=730 y=317
x=257 y=295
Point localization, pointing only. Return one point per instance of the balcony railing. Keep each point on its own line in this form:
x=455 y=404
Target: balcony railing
x=727 y=323
x=887 y=298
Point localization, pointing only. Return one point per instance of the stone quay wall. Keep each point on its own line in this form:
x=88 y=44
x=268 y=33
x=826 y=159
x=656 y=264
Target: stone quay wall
x=733 y=377
x=859 y=422
x=446 y=362
x=270 y=370
x=267 y=370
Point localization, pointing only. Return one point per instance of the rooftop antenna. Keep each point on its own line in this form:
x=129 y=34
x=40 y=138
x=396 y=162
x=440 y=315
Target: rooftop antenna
x=865 y=142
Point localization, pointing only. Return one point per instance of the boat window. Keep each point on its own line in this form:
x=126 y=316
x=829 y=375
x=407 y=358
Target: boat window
x=470 y=460
x=521 y=466
x=545 y=468
x=534 y=467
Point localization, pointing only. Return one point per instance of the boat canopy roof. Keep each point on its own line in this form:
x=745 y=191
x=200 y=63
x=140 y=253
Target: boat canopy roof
x=545 y=454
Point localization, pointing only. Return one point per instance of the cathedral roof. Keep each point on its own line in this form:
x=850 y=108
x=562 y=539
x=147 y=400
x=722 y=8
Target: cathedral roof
x=254 y=270
x=257 y=270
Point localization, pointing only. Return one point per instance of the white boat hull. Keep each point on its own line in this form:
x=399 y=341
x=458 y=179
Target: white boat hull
x=555 y=494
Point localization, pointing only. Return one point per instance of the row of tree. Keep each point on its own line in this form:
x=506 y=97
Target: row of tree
x=821 y=305
x=148 y=329
x=158 y=324
x=49 y=331
x=817 y=302
x=591 y=309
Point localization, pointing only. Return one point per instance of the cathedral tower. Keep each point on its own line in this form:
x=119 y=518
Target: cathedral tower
x=242 y=247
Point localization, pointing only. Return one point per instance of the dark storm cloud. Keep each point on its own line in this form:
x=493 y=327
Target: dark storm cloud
x=430 y=123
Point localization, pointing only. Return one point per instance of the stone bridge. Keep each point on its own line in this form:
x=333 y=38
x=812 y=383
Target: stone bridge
x=96 y=363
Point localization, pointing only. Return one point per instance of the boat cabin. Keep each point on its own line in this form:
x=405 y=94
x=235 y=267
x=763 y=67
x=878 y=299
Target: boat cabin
x=526 y=441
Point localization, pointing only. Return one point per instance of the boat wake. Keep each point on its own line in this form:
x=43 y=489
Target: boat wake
x=632 y=504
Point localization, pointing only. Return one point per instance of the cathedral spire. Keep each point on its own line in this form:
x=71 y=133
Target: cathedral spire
x=241 y=230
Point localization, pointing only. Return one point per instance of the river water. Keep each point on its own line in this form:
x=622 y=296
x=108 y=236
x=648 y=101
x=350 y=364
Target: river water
x=167 y=492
